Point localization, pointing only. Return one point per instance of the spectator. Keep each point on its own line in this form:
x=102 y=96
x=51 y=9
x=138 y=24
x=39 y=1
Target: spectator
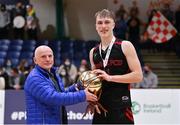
x=18 y=28
x=23 y=65
x=15 y=79
x=31 y=22
x=121 y=12
x=152 y=13
x=150 y=79
x=133 y=34
x=120 y=29
x=68 y=72
x=134 y=9
x=153 y=6
x=134 y=24
x=4 y=76
x=4 y=22
x=168 y=13
x=8 y=66
x=83 y=67
x=23 y=71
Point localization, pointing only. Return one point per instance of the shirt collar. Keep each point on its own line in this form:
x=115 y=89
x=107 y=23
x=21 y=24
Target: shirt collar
x=45 y=72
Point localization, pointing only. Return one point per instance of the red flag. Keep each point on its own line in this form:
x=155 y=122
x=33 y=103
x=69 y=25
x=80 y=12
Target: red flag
x=160 y=29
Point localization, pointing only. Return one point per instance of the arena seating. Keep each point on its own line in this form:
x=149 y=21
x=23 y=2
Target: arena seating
x=16 y=50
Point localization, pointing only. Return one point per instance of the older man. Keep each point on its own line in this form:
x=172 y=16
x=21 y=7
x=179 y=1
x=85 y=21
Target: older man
x=45 y=93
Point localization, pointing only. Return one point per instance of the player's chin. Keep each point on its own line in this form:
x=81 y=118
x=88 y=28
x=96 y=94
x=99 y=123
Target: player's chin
x=105 y=34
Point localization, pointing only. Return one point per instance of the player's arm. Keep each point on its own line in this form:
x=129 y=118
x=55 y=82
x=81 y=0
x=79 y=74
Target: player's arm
x=91 y=59
x=135 y=76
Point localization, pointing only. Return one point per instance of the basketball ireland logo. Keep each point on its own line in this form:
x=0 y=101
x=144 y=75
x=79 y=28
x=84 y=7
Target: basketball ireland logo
x=136 y=107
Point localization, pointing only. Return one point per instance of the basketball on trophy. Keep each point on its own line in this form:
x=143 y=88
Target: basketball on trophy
x=90 y=80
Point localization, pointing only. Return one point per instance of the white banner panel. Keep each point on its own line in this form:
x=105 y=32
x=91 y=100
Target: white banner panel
x=156 y=106
x=2 y=95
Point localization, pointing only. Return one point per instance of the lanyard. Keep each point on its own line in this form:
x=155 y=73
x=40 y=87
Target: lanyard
x=105 y=61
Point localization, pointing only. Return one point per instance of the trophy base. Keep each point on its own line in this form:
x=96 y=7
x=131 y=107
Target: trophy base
x=96 y=107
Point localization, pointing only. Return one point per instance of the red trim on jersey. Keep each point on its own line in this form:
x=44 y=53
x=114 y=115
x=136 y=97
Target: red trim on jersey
x=128 y=114
x=118 y=42
x=129 y=87
x=96 y=47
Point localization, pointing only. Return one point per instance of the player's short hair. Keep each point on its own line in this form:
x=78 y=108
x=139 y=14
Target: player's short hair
x=105 y=13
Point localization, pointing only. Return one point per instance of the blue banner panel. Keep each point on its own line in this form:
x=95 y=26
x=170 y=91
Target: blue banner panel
x=14 y=107
x=75 y=114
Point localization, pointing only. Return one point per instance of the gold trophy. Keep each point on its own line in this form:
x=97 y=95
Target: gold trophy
x=94 y=84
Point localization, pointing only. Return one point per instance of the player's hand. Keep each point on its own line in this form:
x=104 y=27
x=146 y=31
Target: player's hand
x=102 y=74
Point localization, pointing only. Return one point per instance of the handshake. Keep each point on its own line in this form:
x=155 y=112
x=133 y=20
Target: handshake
x=91 y=84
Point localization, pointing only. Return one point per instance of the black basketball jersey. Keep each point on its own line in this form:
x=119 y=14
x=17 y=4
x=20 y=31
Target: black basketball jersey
x=114 y=95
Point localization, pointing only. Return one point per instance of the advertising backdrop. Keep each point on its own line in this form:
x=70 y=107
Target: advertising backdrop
x=156 y=106
x=150 y=106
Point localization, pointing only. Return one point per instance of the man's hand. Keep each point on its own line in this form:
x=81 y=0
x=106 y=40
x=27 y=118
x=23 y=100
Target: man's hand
x=79 y=86
x=89 y=96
